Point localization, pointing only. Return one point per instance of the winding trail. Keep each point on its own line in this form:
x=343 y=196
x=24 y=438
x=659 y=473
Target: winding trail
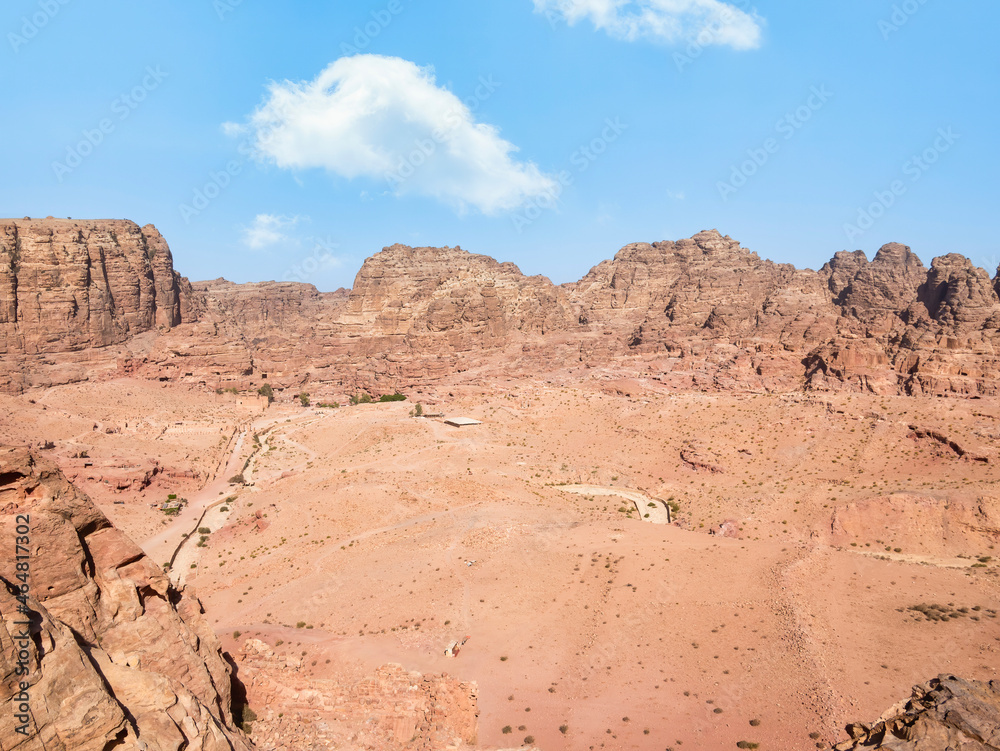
x=162 y=547
x=657 y=513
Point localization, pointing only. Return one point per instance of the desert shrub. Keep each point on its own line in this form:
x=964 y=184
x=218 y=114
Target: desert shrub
x=397 y=397
x=237 y=479
x=507 y=729
x=236 y=634
x=300 y=624
x=329 y=405
x=747 y=744
x=361 y=398
x=564 y=729
x=267 y=391
x=528 y=740
x=304 y=399
x=204 y=531
x=244 y=716
x=172 y=497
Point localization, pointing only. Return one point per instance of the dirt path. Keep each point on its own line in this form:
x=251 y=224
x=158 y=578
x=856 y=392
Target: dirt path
x=161 y=546
x=656 y=513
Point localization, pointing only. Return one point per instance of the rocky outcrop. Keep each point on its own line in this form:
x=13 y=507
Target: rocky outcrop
x=92 y=299
x=945 y=713
x=68 y=288
x=390 y=709
x=113 y=655
x=937 y=525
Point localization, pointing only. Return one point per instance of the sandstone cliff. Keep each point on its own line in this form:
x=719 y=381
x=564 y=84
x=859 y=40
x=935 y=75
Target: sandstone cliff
x=93 y=299
x=69 y=289
x=116 y=657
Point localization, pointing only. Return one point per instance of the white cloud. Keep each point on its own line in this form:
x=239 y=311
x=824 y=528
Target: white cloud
x=706 y=21
x=233 y=129
x=385 y=118
x=267 y=230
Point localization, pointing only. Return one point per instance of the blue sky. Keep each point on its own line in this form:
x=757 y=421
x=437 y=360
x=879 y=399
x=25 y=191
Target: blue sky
x=292 y=140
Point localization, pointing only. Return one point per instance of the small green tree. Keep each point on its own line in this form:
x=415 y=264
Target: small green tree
x=304 y=398
x=267 y=391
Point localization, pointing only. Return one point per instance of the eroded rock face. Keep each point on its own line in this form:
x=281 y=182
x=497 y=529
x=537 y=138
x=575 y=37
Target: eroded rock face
x=945 y=713
x=117 y=657
x=68 y=288
x=91 y=299
x=390 y=709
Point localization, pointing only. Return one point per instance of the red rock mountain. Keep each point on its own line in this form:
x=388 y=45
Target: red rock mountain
x=92 y=299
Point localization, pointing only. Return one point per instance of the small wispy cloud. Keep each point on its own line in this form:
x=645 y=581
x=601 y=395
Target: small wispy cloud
x=233 y=129
x=670 y=21
x=268 y=230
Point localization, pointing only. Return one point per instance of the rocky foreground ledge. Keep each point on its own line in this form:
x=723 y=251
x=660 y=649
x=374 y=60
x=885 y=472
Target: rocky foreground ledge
x=944 y=714
x=108 y=654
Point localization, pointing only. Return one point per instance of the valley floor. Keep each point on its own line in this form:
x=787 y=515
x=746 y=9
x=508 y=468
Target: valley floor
x=778 y=607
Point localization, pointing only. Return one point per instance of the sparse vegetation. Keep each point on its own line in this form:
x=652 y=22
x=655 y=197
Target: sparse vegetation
x=267 y=391
x=304 y=399
x=397 y=397
x=244 y=717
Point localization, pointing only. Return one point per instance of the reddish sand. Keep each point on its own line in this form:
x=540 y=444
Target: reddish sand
x=362 y=522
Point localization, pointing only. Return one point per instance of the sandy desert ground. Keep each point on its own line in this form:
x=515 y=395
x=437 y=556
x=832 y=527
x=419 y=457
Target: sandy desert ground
x=778 y=606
